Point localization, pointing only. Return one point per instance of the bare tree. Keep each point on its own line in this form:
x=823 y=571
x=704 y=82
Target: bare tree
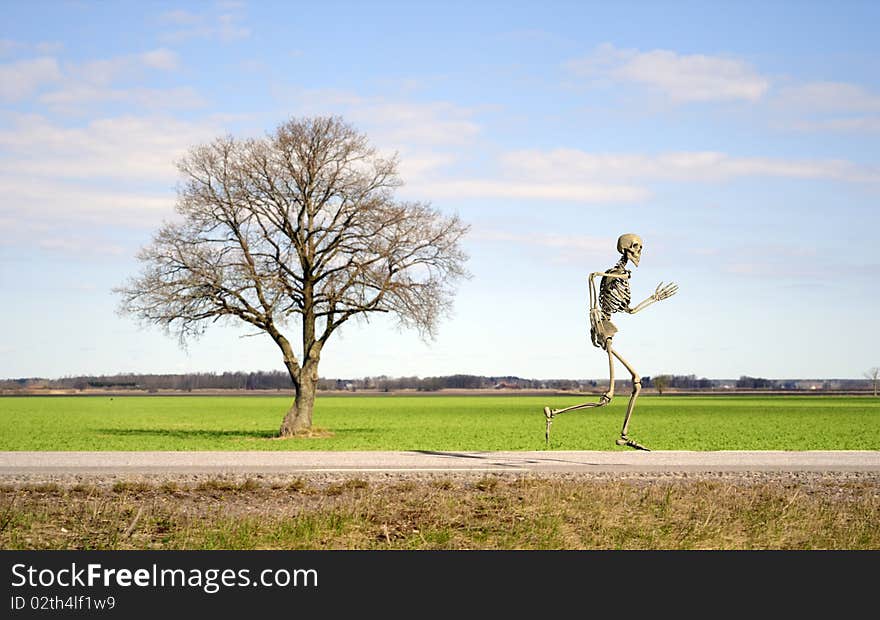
x=299 y=228
x=661 y=382
x=873 y=375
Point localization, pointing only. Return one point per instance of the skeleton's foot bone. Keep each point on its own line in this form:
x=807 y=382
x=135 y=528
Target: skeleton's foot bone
x=626 y=441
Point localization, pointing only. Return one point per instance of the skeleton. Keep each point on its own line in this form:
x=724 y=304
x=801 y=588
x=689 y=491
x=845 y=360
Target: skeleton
x=614 y=296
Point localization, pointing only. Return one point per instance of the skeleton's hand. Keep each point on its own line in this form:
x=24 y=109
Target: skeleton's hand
x=664 y=292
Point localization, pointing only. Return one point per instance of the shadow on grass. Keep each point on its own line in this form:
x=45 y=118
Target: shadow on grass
x=366 y=430
x=219 y=434
x=191 y=433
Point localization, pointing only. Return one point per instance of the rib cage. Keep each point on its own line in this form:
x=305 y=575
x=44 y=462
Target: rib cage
x=614 y=293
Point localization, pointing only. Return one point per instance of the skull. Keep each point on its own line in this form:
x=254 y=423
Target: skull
x=630 y=245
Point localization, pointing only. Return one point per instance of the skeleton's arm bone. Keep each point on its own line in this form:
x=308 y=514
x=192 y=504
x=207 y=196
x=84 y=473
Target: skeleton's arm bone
x=662 y=292
x=594 y=300
x=642 y=305
x=623 y=276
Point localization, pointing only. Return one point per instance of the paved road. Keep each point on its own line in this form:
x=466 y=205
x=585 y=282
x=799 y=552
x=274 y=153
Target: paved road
x=112 y=463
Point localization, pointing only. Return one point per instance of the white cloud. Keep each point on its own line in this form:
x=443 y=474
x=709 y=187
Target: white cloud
x=432 y=137
x=36 y=200
x=44 y=48
x=129 y=148
x=829 y=106
x=79 y=246
x=93 y=82
x=420 y=165
x=429 y=136
x=436 y=140
x=20 y=79
x=228 y=28
x=682 y=78
x=501 y=188
x=90 y=82
x=162 y=58
x=435 y=123
x=181 y=17
x=8 y=45
x=107 y=70
x=829 y=96
x=49 y=47
x=168 y=98
x=781 y=270
x=116 y=171
x=559 y=248
x=102 y=71
x=852 y=124
x=75 y=221
x=395 y=124
x=225 y=26
x=563 y=165
x=581 y=243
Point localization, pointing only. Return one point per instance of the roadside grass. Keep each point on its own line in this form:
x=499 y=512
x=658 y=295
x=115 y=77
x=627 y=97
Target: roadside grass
x=490 y=513
x=439 y=423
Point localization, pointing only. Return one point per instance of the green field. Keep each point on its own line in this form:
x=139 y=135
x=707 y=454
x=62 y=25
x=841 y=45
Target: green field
x=472 y=423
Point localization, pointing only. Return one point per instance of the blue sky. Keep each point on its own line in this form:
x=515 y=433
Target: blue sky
x=739 y=139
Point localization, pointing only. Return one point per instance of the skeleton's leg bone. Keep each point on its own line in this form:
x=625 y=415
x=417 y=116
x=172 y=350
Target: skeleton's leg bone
x=603 y=400
x=637 y=387
x=549 y=413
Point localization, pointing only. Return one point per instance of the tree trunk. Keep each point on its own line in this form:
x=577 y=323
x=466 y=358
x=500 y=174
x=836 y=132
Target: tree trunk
x=299 y=416
x=305 y=378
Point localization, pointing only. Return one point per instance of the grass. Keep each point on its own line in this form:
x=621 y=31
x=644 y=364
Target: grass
x=446 y=423
x=490 y=513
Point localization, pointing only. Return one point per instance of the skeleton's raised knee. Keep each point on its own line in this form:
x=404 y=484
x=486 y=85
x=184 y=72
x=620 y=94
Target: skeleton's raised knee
x=637 y=384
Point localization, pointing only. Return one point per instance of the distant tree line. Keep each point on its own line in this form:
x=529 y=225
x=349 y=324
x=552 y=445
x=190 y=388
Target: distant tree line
x=260 y=380
x=280 y=380
x=685 y=382
x=384 y=383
